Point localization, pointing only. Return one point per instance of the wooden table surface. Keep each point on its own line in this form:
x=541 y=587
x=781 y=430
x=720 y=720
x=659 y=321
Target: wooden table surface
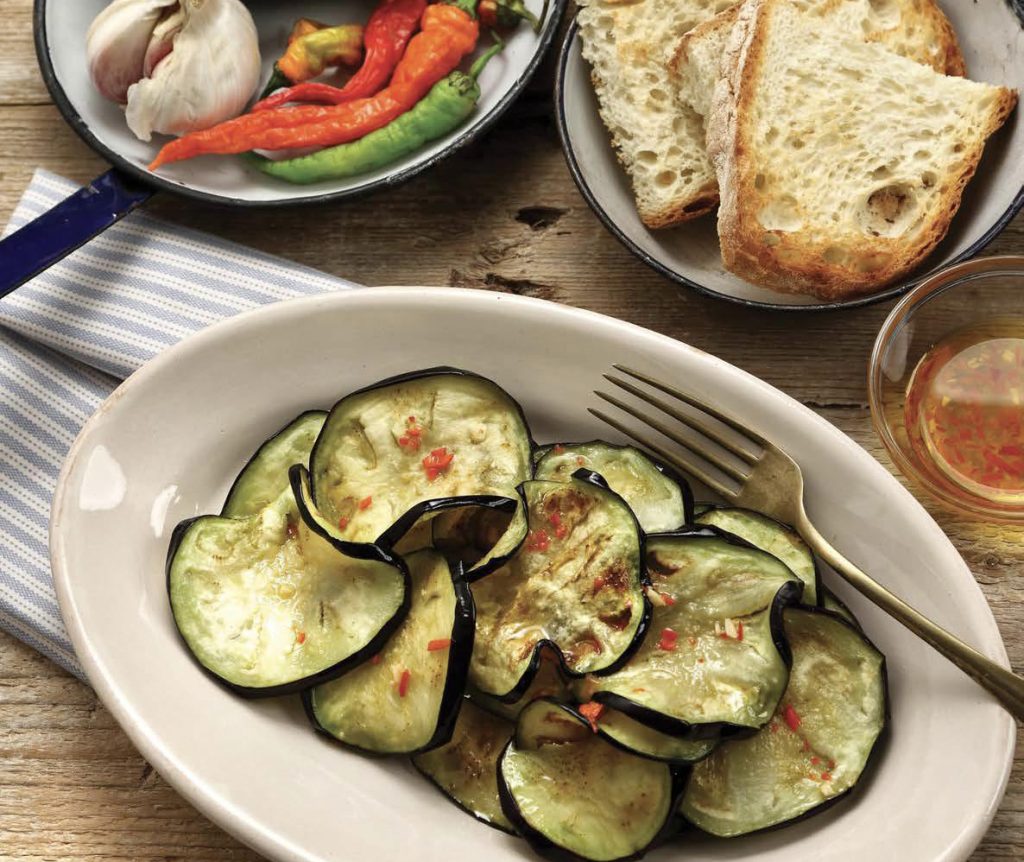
x=503 y=215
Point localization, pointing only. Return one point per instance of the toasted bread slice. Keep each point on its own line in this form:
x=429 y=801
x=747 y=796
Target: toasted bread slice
x=840 y=163
x=659 y=142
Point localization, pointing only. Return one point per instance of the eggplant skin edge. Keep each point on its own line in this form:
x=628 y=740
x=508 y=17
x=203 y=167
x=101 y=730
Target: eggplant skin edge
x=455 y=679
x=881 y=743
x=321 y=676
x=547 y=848
x=520 y=688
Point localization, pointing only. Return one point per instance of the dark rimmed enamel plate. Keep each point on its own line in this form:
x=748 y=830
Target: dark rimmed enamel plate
x=60 y=27
x=991 y=34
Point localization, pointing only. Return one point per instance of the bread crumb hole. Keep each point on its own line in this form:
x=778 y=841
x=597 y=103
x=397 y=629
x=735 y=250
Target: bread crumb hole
x=882 y=172
x=958 y=148
x=888 y=210
x=771 y=135
x=665 y=178
x=658 y=95
x=647 y=157
x=796 y=143
x=922 y=155
x=760 y=181
x=770 y=240
x=928 y=179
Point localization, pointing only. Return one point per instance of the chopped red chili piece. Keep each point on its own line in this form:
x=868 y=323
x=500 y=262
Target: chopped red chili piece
x=739 y=629
x=437 y=462
x=826 y=776
x=375 y=659
x=592 y=712
x=293 y=530
x=342 y=523
x=439 y=644
x=580 y=461
x=537 y=540
x=831 y=764
x=791 y=718
x=667 y=599
x=815 y=761
x=558 y=448
x=599 y=584
x=300 y=637
x=668 y=640
x=365 y=503
x=403 y=682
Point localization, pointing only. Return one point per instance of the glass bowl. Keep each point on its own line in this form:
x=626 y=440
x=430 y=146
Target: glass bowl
x=980 y=300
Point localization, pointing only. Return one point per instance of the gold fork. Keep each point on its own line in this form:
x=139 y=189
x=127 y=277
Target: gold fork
x=769 y=481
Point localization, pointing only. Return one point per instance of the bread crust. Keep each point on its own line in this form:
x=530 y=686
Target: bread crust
x=788 y=261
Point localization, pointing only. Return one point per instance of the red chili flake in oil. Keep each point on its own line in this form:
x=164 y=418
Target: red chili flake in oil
x=538 y=540
x=791 y=717
x=439 y=644
x=668 y=640
x=403 y=682
x=592 y=712
x=365 y=503
x=437 y=462
x=300 y=637
x=619 y=619
x=964 y=411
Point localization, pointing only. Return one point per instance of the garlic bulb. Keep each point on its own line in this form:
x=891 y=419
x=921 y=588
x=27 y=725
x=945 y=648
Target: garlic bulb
x=178 y=65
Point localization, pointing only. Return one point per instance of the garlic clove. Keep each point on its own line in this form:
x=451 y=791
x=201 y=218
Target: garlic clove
x=117 y=41
x=161 y=42
x=209 y=75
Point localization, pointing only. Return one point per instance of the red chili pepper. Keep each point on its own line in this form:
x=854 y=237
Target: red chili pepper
x=599 y=584
x=580 y=461
x=439 y=644
x=537 y=540
x=668 y=640
x=365 y=503
x=739 y=630
x=342 y=523
x=300 y=637
x=558 y=449
x=791 y=718
x=592 y=712
x=437 y=462
x=826 y=776
x=815 y=761
x=448 y=33
x=387 y=33
x=403 y=682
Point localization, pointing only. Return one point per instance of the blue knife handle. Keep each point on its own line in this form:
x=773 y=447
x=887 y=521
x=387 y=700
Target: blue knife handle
x=70 y=224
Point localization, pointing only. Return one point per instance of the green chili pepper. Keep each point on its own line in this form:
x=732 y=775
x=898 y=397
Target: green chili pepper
x=444 y=108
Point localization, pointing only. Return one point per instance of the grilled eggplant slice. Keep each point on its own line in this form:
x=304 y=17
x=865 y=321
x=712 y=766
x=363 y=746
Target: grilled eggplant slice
x=715 y=661
x=549 y=682
x=660 y=498
x=818 y=744
x=575 y=584
x=570 y=793
x=772 y=536
x=407 y=698
x=265 y=477
x=639 y=739
x=434 y=434
x=465 y=769
x=268 y=604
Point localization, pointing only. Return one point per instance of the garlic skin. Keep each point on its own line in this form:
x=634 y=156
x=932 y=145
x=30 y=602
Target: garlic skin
x=195 y=62
x=117 y=41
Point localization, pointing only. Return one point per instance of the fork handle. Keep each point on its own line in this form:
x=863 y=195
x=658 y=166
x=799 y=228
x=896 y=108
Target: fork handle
x=1002 y=683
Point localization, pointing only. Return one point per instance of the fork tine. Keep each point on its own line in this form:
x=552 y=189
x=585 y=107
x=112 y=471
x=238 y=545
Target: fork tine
x=673 y=435
x=693 y=422
x=683 y=465
x=724 y=418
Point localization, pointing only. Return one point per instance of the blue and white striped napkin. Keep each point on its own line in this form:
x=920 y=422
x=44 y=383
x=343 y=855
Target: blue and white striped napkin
x=69 y=336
